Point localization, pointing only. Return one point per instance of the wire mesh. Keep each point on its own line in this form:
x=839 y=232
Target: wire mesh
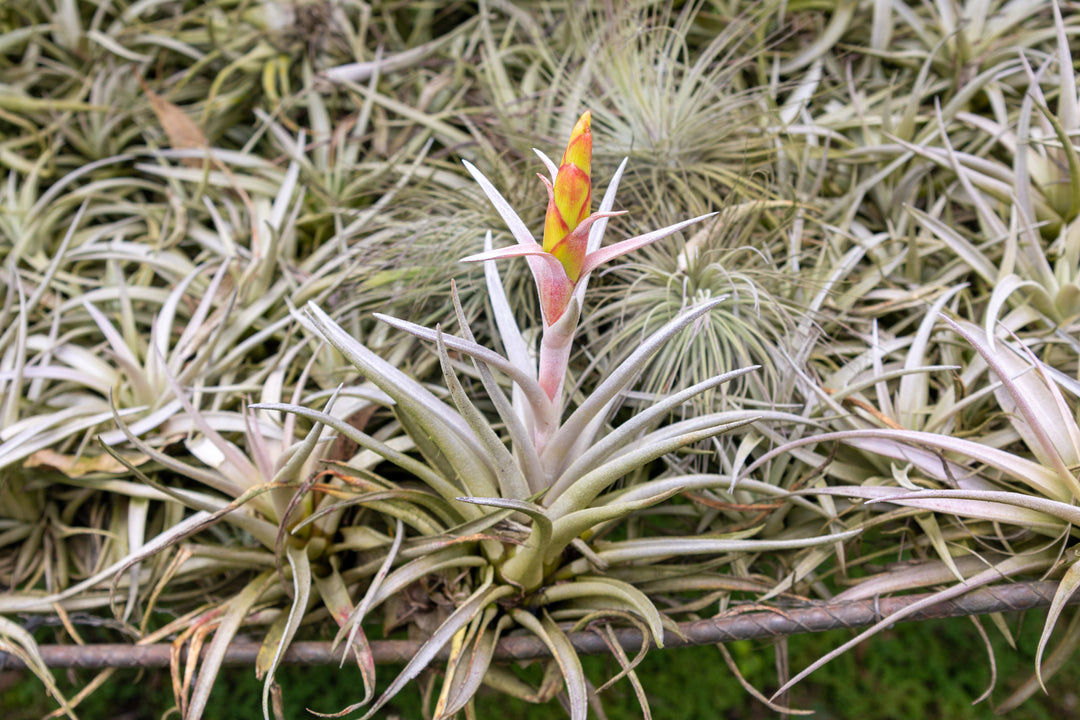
x=740 y=623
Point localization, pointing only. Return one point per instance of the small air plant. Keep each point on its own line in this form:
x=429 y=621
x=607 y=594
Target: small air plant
x=1012 y=489
x=521 y=543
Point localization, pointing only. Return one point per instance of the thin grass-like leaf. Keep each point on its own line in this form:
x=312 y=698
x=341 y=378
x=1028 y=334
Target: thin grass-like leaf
x=234 y=614
x=353 y=624
x=301 y=577
x=16 y=640
x=565 y=656
x=1006 y=568
x=480 y=599
x=1066 y=588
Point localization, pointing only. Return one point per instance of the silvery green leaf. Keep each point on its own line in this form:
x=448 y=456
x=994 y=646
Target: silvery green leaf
x=631 y=430
x=600 y=586
x=1066 y=589
x=520 y=435
x=453 y=556
x=910 y=577
x=525 y=566
x=444 y=428
x=353 y=624
x=968 y=500
x=477 y=669
x=648 y=548
x=538 y=399
x=301 y=576
x=518 y=228
x=46 y=603
x=517 y=350
x=581 y=494
x=565 y=656
x=574 y=524
x=565 y=437
x=511 y=482
x=484 y=596
x=912 y=396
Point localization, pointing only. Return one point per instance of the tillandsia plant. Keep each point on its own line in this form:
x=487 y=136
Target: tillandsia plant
x=514 y=538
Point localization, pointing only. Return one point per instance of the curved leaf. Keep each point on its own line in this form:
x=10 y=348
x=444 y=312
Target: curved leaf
x=484 y=596
x=301 y=572
x=570 y=526
x=525 y=567
x=511 y=482
x=629 y=431
x=234 y=613
x=595 y=586
x=619 y=378
x=565 y=655
x=1066 y=589
x=579 y=495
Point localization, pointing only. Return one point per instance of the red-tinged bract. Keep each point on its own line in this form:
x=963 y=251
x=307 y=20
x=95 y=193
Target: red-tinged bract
x=569 y=201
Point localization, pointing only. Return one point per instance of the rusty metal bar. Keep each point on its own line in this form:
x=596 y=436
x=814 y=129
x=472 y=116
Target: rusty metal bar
x=728 y=627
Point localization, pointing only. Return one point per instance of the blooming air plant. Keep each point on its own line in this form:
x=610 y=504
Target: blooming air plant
x=513 y=528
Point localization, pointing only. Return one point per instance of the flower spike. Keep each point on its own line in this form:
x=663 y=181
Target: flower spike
x=562 y=264
x=569 y=200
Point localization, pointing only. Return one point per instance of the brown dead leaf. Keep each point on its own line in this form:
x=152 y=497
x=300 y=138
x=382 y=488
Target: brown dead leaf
x=78 y=466
x=181 y=130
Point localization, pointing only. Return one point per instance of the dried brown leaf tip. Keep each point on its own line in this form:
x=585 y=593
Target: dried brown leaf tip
x=182 y=131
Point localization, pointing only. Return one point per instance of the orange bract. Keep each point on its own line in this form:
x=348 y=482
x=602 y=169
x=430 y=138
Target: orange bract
x=569 y=200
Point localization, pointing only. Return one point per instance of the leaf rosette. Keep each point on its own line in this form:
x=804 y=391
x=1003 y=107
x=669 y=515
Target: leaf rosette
x=509 y=504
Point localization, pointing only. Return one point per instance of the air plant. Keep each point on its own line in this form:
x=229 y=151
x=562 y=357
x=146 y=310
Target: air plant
x=1013 y=489
x=522 y=541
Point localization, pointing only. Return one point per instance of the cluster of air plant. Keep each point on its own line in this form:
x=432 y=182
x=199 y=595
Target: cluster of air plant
x=958 y=411
x=520 y=536
x=897 y=246
x=146 y=297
